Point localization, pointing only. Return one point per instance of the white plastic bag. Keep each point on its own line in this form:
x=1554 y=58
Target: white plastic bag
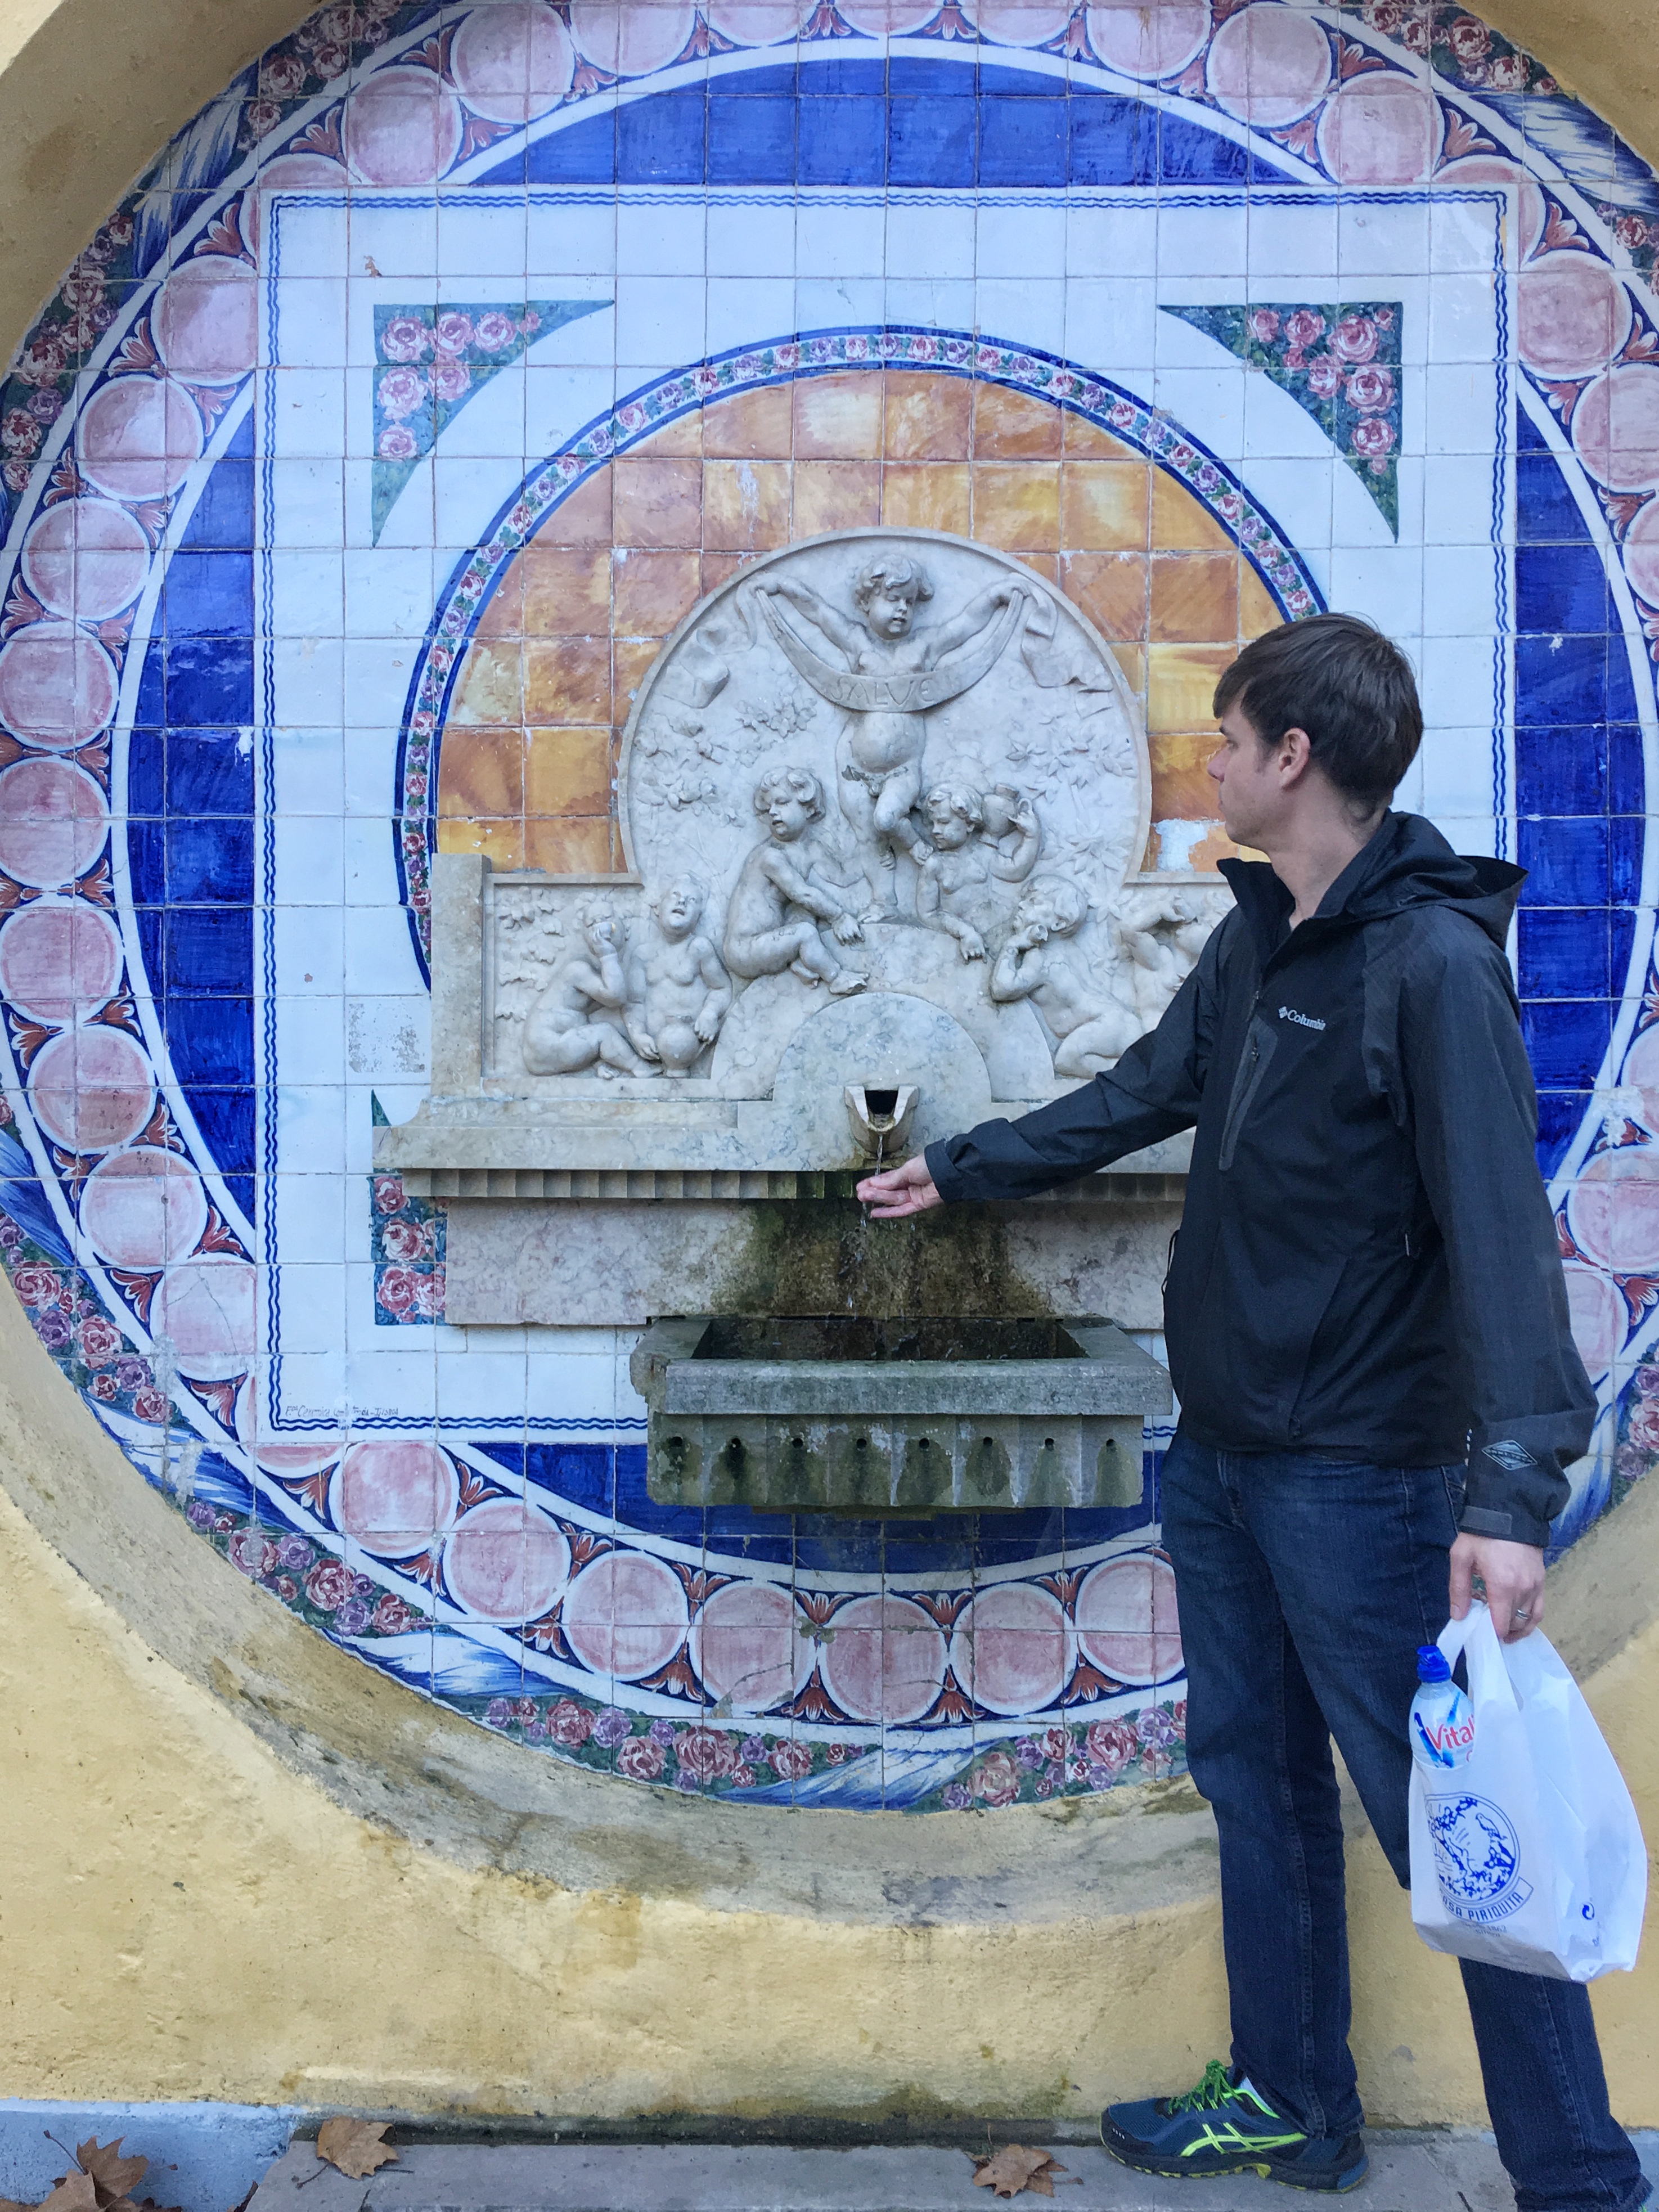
x=1530 y=1855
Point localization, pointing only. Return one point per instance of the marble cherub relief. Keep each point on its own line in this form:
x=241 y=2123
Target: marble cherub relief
x=786 y=893
x=577 y=1021
x=879 y=760
x=979 y=840
x=895 y=672
x=677 y=991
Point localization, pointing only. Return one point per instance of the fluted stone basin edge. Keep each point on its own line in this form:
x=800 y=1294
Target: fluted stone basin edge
x=830 y=1415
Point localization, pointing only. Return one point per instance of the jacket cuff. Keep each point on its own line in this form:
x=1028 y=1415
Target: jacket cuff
x=1516 y=1526
x=947 y=1176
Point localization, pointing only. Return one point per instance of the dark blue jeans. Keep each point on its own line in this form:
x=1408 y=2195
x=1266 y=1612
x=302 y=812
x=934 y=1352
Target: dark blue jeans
x=1305 y=1586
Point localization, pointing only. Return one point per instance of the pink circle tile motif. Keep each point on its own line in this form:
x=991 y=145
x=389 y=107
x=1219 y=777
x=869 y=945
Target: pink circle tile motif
x=625 y=1615
x=1381 y=129
x=746 y=1644
x=891 y=19
x=138 y=438
x=288 y=173
x=403 y=126
x=1145 y=40
x=1572 y=315
x=91 y=1089
x=143 y=1208
x=511 y=64
x=1268 y=65
x=60 y=960
x=1011 y=1648
x=1127 y=1620
x=505 y=1562
x=53 y=822
x=58 y=686
x=280 y=1455
x=886 y=1660
x=206 y=320
x=1484 y=169
x=397 y=1496
x=1642 y=567
x=758 y=22
x=1023 y=22
x=1600 y=1319
x=1615 y=428
x=1612 y=1210
x=630 y=37
x=86 y=558
x=208 y=1307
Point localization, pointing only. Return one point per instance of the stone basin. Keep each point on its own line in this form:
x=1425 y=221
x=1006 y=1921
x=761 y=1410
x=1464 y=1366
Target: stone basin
x=856 y=1414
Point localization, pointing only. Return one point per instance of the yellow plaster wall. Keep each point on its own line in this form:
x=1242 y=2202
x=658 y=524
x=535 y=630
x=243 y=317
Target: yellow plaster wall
x=184 y=1914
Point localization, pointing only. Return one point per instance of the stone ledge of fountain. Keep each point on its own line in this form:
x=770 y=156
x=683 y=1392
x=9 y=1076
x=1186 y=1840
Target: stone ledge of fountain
x=1126 y=1182
x=854 y=1414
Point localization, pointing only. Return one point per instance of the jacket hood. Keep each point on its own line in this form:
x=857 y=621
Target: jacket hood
x=1407 y=864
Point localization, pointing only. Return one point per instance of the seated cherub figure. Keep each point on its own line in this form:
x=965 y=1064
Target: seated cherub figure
x=1093 y=1027
x=955 y=886
x=576 y=1021
x=785 y=890
x=678 y=993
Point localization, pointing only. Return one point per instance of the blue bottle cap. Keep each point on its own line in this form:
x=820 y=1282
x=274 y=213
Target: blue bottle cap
x=1431 y=1665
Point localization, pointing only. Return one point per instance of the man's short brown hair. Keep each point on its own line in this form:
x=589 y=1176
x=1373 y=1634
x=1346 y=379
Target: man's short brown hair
x=1349 y=687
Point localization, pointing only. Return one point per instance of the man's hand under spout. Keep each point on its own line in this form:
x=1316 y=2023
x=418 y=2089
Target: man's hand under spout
x=900 y=1191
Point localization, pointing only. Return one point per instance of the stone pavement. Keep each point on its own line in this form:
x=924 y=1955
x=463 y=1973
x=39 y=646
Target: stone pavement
x=1417 y=2171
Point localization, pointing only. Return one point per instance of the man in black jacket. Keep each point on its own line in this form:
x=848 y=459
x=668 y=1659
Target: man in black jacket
x=1369 y=1336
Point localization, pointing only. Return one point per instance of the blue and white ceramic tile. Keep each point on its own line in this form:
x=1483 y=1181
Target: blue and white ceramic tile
x=1357 y=284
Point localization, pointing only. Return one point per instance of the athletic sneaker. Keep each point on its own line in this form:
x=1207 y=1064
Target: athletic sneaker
x=1226 y=2125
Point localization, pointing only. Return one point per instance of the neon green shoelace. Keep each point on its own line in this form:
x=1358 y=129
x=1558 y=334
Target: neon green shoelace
x=1205 y=2096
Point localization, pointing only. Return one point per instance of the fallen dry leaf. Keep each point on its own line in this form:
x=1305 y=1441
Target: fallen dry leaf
x=112 y=2176
x=75 y=2192
x=353 y=2145
x=1015 y=2167
x=101 y=2184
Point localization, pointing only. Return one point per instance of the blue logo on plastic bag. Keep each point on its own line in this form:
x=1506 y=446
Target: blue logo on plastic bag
x=1477 y=1855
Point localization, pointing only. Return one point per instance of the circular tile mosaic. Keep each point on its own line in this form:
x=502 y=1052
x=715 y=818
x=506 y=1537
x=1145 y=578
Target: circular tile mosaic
x=354 y=476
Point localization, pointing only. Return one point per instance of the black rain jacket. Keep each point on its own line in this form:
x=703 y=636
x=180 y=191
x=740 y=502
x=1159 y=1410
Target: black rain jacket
x=1367 y=1265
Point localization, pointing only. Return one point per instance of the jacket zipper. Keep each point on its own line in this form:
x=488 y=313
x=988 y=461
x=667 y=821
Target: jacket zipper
x=1252 y=1067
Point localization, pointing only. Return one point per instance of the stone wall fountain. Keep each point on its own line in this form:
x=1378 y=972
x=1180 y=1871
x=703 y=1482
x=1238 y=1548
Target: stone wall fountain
x=884 y=798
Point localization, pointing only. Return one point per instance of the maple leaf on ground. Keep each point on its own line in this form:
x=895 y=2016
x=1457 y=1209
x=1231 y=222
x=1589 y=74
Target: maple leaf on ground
x=1014 y=2167
x=112 y=2176
x=75 y=2192
x=353 y=2145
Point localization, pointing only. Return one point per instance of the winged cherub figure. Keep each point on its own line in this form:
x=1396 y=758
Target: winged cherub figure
x=894 y=673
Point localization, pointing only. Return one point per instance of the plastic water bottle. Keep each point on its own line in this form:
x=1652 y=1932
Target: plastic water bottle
x=1442 y=1721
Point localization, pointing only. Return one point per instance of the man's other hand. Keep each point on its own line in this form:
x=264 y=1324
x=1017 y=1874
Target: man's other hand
x=900 y=1191
x=1513 y=1579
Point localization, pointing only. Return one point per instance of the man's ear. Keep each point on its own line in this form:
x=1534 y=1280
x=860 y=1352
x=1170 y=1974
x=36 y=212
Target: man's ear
x=1295 y=752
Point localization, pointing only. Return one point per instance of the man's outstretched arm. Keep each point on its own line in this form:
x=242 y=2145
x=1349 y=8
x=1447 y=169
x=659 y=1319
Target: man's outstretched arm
x=1154 y=1091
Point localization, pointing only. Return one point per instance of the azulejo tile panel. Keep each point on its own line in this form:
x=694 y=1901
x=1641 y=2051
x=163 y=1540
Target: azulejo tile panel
x=354 y=477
